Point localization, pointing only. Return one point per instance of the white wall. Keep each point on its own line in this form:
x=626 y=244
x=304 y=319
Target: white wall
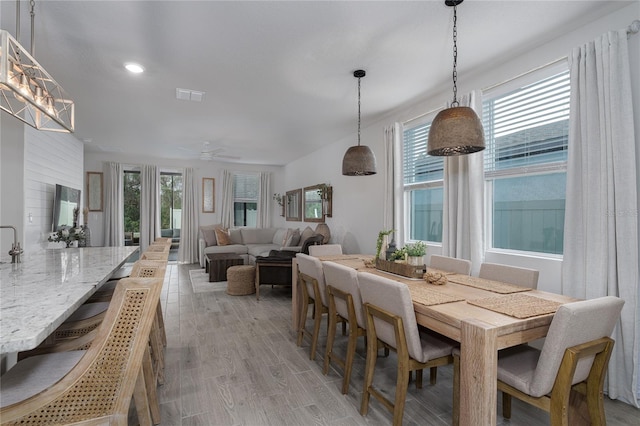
x=96 y=162
x=357 y=202
x=11 y=176
x=32 y=163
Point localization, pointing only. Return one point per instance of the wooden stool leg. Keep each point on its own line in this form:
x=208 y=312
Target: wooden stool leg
x=141 y=401
x=150 y=384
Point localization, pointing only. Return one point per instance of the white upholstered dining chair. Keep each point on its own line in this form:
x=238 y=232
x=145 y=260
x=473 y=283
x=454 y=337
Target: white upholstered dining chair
x=524 y=277
x=574 y=356
x=345 y=303
x=391 y=320
x=450 y=264
x=314 y=293
x=325 y=250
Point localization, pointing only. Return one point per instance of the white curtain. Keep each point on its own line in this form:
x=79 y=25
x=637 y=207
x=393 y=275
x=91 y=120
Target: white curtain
x=264 y=190
x=226 y=215
x=114 y=206
x=463 y=202
x=601 y=233
x=393 y=208
x=188 y=251
x=149 y=205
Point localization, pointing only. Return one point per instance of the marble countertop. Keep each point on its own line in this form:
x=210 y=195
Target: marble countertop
x=37 y=295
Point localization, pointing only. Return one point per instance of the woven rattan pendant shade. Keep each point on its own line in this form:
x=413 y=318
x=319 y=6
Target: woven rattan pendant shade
x=455 y=131
x=359 y=160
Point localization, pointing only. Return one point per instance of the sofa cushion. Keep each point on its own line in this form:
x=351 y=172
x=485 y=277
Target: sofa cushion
x=235 y=235
x=231 y=248
x=261 y=249
x=222 y=236
x=280 y=236
x=208 y=234
x=257 y=235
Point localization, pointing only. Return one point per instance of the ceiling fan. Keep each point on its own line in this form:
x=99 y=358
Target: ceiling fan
x=209 y=153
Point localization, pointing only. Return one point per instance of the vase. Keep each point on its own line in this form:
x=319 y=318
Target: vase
x=415 y=260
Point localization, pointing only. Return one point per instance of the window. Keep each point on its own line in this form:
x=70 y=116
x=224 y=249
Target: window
x=526 y=130
x=131 y=207
x=422 y=179
x=170 y=203
x=245 y=199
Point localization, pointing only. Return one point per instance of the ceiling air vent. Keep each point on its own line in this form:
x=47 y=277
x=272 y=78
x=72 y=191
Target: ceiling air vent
x=189 y=95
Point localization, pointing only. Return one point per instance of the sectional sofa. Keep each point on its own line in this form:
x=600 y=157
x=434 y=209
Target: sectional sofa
x=251 y=242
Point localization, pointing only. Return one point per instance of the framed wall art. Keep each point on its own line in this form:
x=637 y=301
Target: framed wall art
x=208 y=195
x=94 y=191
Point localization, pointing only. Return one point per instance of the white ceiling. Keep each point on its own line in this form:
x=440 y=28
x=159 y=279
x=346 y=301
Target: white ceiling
x=278 y=76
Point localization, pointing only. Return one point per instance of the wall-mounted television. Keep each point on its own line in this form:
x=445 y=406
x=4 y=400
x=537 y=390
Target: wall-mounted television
x=65 y=200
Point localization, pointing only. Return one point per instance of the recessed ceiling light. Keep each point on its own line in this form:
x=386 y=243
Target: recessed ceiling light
x=134 y=68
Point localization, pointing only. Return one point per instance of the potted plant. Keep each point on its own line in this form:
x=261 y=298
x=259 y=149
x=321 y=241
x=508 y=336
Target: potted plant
x=380 y=241
x=415 y=253
x=280 y=200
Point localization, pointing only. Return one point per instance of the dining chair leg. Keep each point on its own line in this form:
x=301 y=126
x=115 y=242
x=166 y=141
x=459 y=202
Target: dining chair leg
x=304 y=312
x=506 y=405
x=348 y=361
x=316 y=329
x=402 y=383
x=370 y=365
x=331 y=335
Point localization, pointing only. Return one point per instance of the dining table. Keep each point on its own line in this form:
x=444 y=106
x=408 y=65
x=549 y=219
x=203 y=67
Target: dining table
x=484 y=316
x=39 y=293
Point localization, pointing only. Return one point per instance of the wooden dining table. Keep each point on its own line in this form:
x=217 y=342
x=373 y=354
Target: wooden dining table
x=468 y=310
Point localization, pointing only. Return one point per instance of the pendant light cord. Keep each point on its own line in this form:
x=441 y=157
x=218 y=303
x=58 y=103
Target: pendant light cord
x=33 y=18
x=455 y=57
x=358 y=111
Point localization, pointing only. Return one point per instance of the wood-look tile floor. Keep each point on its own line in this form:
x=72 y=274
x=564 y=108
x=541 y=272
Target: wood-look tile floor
x=232 y=360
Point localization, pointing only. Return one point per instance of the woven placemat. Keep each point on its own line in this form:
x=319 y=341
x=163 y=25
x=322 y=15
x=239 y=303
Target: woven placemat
x=427 y=296
x=439 y=271
x=337 y=257
x=355 y=263
x=517 y=305
x=484 y=284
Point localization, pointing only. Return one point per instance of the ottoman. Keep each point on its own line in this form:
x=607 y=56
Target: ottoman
x=241 y=280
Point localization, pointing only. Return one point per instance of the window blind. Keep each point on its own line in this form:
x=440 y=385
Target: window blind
x=527 y=129
x=418 y=166
x=245 y=187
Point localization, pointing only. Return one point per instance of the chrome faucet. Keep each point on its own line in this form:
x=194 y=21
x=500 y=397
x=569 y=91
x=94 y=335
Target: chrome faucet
x=15 y=251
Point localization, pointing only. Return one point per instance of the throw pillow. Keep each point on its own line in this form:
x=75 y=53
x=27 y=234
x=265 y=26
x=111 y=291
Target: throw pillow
x=222 y=235
x=209 y=236
x=308 y=232
x=293 y=238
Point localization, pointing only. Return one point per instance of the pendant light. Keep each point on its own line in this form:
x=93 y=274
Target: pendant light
x=359 y=159
x=27 y=91
x=456 y=130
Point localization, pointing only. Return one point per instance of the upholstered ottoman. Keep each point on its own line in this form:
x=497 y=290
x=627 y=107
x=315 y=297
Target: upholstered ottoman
x=241 y=280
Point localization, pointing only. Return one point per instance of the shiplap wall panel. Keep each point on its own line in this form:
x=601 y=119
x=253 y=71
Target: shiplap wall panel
x=50 y=158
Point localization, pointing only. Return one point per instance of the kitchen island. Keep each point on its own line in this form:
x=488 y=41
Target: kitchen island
x=38 y=294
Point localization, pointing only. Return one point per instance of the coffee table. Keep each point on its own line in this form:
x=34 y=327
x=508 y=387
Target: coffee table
x=218 y=263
